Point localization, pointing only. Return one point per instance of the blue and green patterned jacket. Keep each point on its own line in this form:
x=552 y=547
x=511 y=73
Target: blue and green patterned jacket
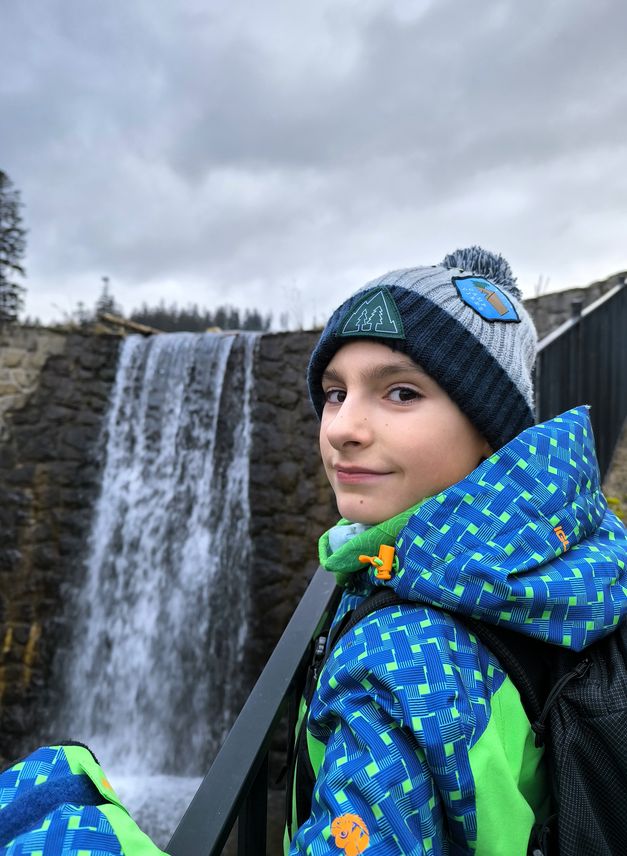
x=418 y=738
x=58 y=802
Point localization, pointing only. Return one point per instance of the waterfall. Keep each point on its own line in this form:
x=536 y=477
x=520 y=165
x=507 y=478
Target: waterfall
x=160 y=619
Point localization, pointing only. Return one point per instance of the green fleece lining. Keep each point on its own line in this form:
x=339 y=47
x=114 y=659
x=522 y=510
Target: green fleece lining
x=508 y=770
x=344 y=561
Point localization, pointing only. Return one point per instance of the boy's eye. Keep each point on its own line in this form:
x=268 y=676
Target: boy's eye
x=334 y=396
x=403 y=393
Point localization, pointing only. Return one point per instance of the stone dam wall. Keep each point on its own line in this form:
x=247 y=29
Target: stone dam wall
x=55 y=391
x=54 y=394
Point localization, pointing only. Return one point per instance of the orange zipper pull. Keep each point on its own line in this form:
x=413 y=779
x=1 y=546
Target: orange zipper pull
x=382 y=563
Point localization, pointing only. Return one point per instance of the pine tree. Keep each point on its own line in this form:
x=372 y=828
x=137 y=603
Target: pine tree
x=12 y=248
x=194 y=319
x=106 y=303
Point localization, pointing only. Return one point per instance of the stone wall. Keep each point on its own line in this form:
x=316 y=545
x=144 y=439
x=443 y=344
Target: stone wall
x=291 y=501
x=56 y=388
x=550 y=310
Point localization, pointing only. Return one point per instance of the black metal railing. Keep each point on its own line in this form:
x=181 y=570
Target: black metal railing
x=582 y=362
x=236 y=786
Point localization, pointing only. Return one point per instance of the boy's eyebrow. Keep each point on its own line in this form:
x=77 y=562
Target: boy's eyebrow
x=379 y=372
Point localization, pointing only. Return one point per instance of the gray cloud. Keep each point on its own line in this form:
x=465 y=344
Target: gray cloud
x=285 y=152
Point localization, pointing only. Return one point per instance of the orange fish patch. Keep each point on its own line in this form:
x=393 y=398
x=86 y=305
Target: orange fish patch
x=350 y=834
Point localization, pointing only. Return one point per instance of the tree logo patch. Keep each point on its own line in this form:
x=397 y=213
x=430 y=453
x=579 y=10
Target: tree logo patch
x=375 y=315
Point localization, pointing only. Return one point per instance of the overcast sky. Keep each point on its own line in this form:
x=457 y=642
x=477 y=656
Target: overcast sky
x=278 y=154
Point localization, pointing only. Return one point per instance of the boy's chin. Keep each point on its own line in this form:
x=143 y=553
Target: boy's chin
x=367 y=513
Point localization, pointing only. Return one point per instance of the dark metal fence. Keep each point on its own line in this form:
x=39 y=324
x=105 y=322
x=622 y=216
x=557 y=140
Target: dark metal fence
x=583 y=362
x=237 y=783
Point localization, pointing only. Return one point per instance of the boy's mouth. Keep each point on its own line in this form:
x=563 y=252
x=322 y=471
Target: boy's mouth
x=356 y=475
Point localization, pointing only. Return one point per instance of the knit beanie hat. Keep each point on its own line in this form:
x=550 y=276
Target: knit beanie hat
x=463 y=322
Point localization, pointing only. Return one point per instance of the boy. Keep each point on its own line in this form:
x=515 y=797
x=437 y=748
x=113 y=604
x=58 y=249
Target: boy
x=417 y=738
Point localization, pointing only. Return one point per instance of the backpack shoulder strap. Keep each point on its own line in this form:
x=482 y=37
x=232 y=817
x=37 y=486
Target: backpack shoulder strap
x=525 y=660
x=378 y=599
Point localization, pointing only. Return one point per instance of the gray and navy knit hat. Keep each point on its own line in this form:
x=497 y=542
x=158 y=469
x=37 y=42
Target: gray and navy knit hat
x=463 y=322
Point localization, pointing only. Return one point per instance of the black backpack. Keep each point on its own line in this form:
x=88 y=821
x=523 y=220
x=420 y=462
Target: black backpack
x=577 y=706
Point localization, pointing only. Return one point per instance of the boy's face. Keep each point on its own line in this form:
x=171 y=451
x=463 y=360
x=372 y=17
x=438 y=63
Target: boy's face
x=390 y=436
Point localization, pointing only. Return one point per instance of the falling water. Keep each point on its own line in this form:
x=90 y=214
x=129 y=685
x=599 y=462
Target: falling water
x=160 y=620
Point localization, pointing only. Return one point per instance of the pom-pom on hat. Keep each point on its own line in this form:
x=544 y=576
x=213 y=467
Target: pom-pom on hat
x=463 y=322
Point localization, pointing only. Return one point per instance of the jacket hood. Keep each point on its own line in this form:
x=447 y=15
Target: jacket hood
x=525 y=541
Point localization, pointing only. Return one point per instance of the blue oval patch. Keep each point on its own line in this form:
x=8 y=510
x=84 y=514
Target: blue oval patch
x=488 y=300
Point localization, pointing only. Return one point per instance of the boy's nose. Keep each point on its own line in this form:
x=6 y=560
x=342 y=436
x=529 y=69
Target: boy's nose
x=351 y=424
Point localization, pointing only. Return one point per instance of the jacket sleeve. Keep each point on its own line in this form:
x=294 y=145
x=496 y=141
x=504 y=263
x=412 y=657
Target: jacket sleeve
x=393 y=715
x=58 y=800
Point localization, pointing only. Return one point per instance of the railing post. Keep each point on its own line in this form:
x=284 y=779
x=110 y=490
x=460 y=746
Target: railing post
x=576 y=307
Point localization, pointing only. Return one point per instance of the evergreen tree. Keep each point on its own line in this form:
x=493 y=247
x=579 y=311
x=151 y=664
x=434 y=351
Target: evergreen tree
x=172 y=319
x=106 y=301
x=12 y=248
